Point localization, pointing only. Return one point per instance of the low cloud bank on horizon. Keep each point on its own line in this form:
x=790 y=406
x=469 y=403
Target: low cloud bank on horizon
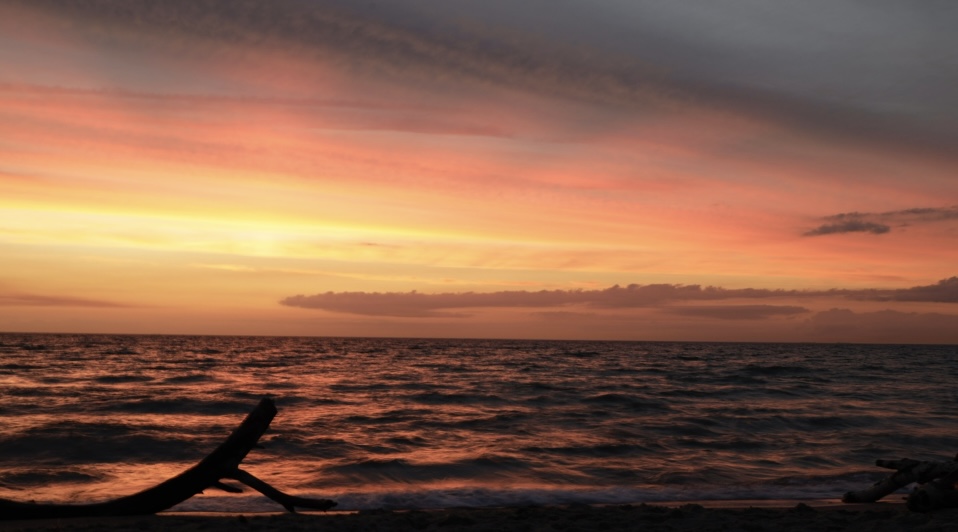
x=422 y=305
x=40 y=300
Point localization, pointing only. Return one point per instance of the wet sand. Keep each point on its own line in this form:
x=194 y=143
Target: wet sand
x=754 y=516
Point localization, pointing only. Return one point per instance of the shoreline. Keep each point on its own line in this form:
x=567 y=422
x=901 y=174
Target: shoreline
x=751 y=515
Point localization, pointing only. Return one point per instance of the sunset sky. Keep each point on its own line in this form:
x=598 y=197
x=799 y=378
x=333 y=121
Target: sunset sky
x=733 y=170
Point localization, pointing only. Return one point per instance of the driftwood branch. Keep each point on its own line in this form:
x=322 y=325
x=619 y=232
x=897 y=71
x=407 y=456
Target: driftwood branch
x=290 y=502
x=222 y=463
x=936 y=484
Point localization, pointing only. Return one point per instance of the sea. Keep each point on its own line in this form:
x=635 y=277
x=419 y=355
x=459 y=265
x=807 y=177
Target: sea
x=426 y=423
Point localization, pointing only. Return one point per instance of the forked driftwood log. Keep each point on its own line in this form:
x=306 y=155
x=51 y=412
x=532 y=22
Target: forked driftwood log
x=222 y=463
x=936 y=484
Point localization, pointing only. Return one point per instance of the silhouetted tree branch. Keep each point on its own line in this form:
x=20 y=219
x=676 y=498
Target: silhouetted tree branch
x=937 y=484
x=222 y=463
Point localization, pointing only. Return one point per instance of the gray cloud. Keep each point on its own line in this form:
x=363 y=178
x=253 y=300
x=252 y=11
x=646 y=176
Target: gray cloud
x=415 y=304
x=421 y=305
x=569 y=316
x=944 y=291
x=409 y=304
x=382 y=42
x=882 y=222
x=824 y=66
x=851 y=226
x=738 y=312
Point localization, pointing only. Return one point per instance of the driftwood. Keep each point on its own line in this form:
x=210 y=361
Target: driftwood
x=222 y=463
x=936 y=484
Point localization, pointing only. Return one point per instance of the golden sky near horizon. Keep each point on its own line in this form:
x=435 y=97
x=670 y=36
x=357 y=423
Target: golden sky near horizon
x=601 y=170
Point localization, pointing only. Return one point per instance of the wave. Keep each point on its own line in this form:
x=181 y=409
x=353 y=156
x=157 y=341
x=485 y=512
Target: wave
x=487 y=467
x=120 y=351
x=190 y=378
x=631 y=401
x=89 y=443
x=25 y=479
x=403 y=415
x=122 y=379
x=594 y=451
x=33 y=347
x=177 y=405
x=19 y=366
x=409 y=497
x=776 y=369
x=438 y=398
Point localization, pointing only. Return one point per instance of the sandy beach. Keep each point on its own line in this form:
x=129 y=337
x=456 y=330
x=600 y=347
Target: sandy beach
x=685 y=517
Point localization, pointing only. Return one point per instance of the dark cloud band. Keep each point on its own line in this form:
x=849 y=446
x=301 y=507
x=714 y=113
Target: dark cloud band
x=738 y=312
x=420 y=305
x=851 y=226
x=882 y=222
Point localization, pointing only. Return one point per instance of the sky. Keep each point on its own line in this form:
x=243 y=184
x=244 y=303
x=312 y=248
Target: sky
x=705 y=170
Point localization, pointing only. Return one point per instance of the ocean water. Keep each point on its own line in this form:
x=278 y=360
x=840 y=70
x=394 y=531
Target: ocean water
x=405 y=423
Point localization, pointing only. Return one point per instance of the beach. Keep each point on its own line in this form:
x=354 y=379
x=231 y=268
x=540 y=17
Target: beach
x=685 y=517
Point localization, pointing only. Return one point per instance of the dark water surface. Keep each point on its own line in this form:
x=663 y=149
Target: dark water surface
x=438 y=423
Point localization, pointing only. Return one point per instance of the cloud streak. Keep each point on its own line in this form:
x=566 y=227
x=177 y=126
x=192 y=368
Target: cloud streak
x=850 y=226
x=882 y=222
x=38 y=300
x=364 y=39
x=426 y=46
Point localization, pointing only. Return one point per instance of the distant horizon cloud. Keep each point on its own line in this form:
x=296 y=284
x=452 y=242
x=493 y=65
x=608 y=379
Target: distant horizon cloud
x=425 y=305
x=883 y=326
x=39 y=300
x=417 y=304
x=882 y=222
x=738 y=312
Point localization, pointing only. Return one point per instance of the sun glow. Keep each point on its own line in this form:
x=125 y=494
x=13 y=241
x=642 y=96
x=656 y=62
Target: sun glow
x=174 y=168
